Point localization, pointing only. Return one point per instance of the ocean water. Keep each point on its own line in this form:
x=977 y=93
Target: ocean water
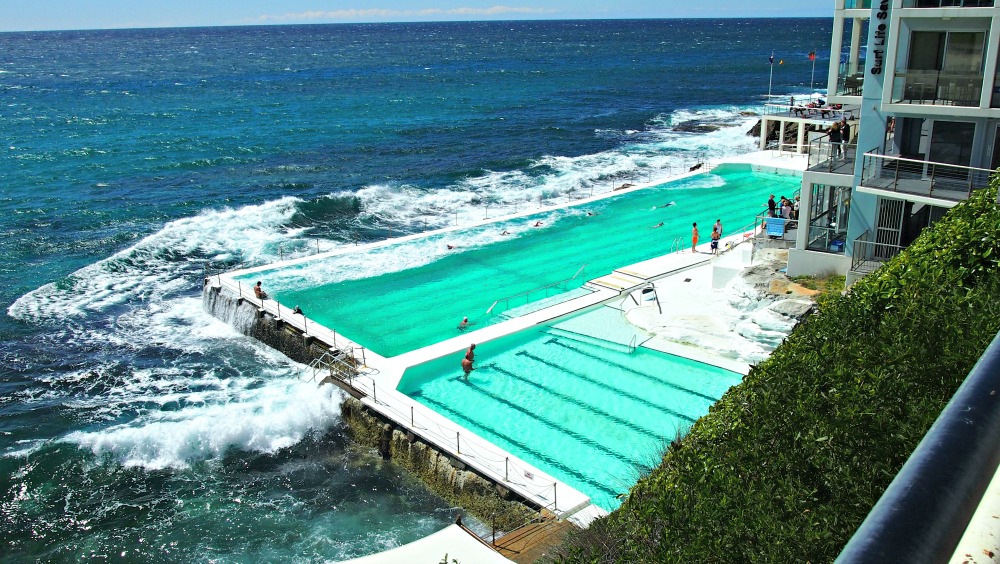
x=135 y=426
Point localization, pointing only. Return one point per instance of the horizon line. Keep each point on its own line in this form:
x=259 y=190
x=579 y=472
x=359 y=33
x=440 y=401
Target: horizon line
x=382 y=22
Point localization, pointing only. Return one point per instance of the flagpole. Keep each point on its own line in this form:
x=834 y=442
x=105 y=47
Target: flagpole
x=770 y=79
x=812 y=79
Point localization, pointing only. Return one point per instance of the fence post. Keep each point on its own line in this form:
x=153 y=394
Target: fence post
x=506 y=469
x=458 y=443
x=555 y=498
x=412 y=425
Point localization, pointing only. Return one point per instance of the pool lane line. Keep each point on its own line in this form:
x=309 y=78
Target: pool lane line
x=538 y=455
x=607 y=387
x=586 y=406
x=579 y=437
x=650 y=377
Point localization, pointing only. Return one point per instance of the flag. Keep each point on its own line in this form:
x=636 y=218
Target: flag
x=771 y=58
x=812 y=55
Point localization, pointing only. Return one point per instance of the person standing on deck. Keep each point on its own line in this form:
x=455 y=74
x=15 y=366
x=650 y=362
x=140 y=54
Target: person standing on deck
x=694 y=236
x=718 y=227
x=771 y=206
x=835 y=138
x=715 y=241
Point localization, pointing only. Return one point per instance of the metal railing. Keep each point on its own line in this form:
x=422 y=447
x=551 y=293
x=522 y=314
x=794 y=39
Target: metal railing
x=824 y=113
x=937 y=87
x=867 y=256
x=927 y=508
x=947 y=3
x=562 y=285
x=294 y=317
x=825 y=155
x=922 y=178
x=340 y=364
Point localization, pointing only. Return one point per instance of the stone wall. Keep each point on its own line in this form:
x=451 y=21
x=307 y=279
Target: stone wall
x=449 y=478
x=247 y=318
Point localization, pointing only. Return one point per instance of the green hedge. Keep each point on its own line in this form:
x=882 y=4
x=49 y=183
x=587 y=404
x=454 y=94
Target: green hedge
x=787 y=464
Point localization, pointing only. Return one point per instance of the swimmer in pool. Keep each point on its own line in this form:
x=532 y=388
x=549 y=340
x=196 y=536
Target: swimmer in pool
x=470 y=355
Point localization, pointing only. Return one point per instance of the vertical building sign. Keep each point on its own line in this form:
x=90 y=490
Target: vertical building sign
x=879 y=34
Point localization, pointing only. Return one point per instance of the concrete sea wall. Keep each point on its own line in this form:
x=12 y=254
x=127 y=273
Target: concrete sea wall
x=252 y=321
x=447 y=477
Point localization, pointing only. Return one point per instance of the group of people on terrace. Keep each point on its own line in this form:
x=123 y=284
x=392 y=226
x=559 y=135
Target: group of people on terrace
x=787 y=209
x=818 y=106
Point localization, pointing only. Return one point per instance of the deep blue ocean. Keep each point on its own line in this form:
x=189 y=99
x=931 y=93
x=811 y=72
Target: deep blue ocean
x=133 y=426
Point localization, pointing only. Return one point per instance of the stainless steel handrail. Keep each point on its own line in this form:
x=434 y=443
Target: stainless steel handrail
x=947 y=179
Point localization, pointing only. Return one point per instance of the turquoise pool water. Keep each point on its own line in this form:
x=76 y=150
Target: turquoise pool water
x=584 y=410
x=406 y=296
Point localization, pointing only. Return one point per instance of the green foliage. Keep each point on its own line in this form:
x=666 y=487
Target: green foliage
x=787 y=464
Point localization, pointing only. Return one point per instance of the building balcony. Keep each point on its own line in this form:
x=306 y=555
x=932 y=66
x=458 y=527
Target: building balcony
x=826 y=156
x=937 y=87
x=911 y=178
x=947 y=3
x=867 y=255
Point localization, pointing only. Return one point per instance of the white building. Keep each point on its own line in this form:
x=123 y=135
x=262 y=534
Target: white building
x=923 y=78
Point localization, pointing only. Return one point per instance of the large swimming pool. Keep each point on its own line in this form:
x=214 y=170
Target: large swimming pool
x=405 y=296
x=577 y=403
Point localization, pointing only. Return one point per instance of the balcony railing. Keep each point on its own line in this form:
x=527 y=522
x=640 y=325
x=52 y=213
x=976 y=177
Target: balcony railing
x=937 y=87
x=922 y=178
x=827 y=156
x=867 y=256
x=825 y=114
x=946 y=3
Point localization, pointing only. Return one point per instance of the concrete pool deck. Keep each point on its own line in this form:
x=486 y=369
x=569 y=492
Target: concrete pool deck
x=671 y=274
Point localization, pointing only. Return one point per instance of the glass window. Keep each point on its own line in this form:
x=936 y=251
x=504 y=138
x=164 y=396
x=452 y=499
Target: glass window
x=942 y=67
x=829 y=209
x=851 y=71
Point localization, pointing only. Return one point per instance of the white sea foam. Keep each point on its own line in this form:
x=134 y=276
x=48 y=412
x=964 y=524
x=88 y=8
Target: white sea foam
x=264 y=419
x=184 y=414
x=155 y=266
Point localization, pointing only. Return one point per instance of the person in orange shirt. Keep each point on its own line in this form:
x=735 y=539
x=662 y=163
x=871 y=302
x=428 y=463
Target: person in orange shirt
x=694 y=237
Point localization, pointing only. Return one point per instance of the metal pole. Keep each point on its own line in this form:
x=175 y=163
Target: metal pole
x=770 y=78
x=458 y=443
x=487 y=212
x=555 y=498
x=812 y=79
x=412 y=425
x=317 y=246
x=506 y=469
